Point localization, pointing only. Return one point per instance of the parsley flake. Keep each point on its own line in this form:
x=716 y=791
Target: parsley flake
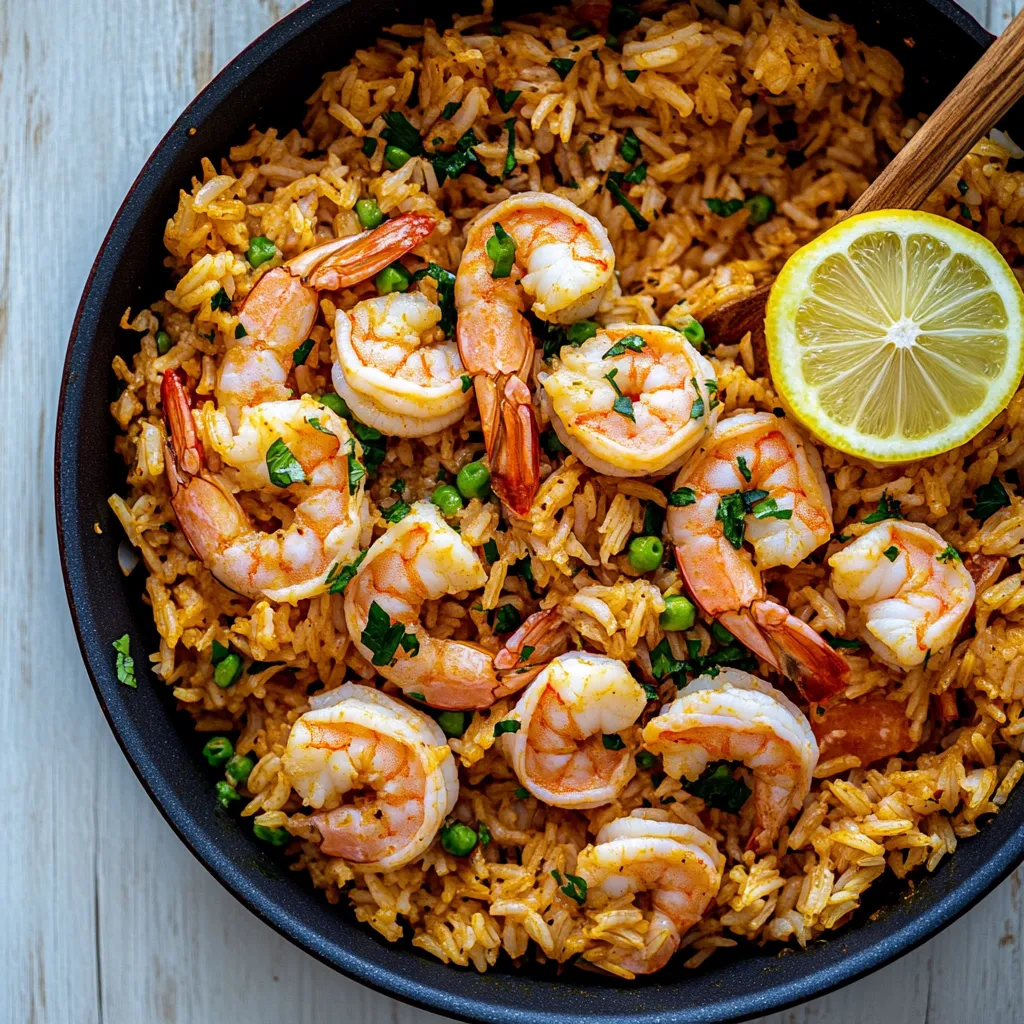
x=282 y=466
x=888 y=508
x=681 y=497
x=340 y=576
x=125 y=663
x=632 y=342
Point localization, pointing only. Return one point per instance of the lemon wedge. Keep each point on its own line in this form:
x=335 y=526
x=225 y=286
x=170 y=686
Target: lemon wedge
x=896 y=335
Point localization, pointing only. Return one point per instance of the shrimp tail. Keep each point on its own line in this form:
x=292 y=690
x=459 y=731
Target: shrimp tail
x=510 y=433
x=370 y=252
x=791 y=647
x=185 y=450
x=543 y=633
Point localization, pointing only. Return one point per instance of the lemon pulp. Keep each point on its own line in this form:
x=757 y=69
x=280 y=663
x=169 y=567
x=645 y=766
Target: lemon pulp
x=896 y=335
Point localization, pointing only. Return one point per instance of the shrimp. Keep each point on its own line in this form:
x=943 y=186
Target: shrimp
x=421 y=558
x=564 y=266
x=394 y=368
x=293 y=562
x=560 y=753
x=738 y=717
x=279 y=311
x=912 y=590
x=756 y=478
x=678 y=865
x=356 y=738
x=670 y=400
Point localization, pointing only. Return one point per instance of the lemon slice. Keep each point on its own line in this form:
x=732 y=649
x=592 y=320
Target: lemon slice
x=895 y=335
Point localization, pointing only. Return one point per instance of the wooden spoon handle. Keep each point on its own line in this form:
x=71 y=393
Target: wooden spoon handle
x=984 y=94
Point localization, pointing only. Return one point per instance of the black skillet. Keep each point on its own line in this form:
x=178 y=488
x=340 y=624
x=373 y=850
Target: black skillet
x=936 y=42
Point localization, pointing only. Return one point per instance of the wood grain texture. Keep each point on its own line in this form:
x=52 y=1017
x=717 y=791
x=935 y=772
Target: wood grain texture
x=106 y=918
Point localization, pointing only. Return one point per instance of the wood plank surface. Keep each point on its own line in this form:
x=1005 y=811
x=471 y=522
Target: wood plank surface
x=105 y=916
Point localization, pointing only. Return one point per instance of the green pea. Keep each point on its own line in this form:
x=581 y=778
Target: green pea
x=458 y=839
x=394 y=278
x=226 y=795
x=369 y=213
x=447 y=499
x=645 y=759
x=453 y=723
x=239 y=768
x=163 y=343
x=336 y=404
x=395 y=157
x=260 y=250
x=679 y=614
x=761 y=207
x=274 y=836
x=227 y=671
x=645 y=553
x=474 y=480
x=218 y=751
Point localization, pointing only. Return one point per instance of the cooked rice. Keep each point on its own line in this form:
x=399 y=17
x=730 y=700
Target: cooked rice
x=720 y=94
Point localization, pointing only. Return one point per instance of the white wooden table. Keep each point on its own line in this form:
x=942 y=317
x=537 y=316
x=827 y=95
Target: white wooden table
x=104 y=915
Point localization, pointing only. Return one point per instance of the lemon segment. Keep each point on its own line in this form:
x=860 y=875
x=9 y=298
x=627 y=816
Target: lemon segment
x=896 y=335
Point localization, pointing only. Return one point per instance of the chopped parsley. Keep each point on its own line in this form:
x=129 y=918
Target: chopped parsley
x=988 y=499
x=623 y=404
x=398 y=486
x=949 y=554
x=892 y=552
x=356 y=470
x=637 y=175
x=449 y=110
x=220 y=300
x=645 y=760
x=526 y=653
x=340 y=576
x=501 y=249
x=484 y=833
x=301 y=354
x=282 y=466
x=575 y=888
x=632 y=342
x=125 y=665
x=614 y=184
x=369 y=146
x=467 y=382
x=396 y=512
x=491 y=551
x=504 y=726
x=240 y=332
x=551 y=444
x=506 y=98
x=520 y=792
x=731 y=513
x=445 y=296
x=507 y=618
x=888 y=508
x=399 y=132
x=741 y=463
x=612 y=741
x=451 y=165
x=629 y=147
x=724 y=207
x=650 y=692
x=632 y=75
x=383 y=637
x=681 y=497
x=562 y=66
x=510 y=156
x=962 y=187
x=654 y=519
x=374 y=446
x=730 y=654
x=768 y=508
x=718 y=789
x=314 y=422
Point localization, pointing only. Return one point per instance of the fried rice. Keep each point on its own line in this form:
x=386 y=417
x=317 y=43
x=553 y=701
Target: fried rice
x=726 y=101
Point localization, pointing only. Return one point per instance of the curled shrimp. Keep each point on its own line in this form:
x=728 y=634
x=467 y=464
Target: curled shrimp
x=678 y=866
x=671 y=391
x=395 y=369
x=738 y=717
x=278 y=313
x=756 y=479
x=911 y=589
x=563 y=268
x=560 y=752
x=391 y=762
x=287 y=564
x=421 y=558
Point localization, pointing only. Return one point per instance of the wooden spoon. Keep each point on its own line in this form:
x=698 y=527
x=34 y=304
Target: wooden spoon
x=970 y=111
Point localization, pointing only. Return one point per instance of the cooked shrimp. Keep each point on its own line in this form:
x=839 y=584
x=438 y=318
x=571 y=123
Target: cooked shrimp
x=677 y=865
x=563 y=268
x=738 y=717
x=421 y=558
x=912 y=590
x=671 y=391
x=756 y=478
x=356 y=738
x=279 y=311
x=559 y=752
x=290 y=563
x=395 y=369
